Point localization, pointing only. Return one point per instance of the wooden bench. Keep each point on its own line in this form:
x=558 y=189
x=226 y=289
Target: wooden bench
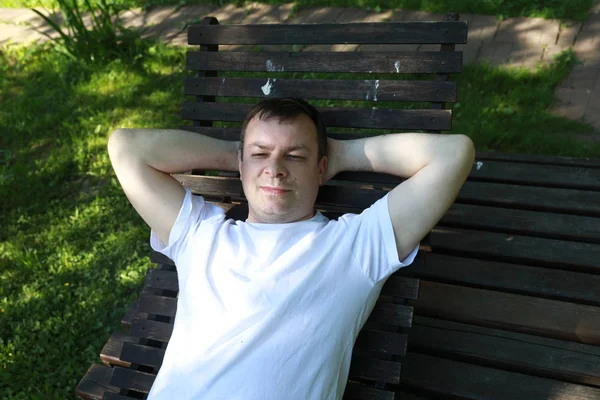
x=505 y=289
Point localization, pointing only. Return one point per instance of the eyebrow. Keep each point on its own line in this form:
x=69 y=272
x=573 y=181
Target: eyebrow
x=287 y=149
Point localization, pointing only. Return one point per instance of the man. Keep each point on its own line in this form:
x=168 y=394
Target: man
x=270 y=308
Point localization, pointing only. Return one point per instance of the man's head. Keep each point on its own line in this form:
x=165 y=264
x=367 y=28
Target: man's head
x=282 y=160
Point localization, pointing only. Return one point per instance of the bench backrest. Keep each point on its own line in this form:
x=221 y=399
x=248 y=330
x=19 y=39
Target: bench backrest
x=387 y=87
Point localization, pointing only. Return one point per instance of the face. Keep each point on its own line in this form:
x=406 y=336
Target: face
x=279 y=171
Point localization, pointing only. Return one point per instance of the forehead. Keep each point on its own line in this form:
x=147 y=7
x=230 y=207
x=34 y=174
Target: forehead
x=298 y=132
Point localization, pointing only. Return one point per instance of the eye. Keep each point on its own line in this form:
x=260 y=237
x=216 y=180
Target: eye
x=295 y=157
x=259 y=154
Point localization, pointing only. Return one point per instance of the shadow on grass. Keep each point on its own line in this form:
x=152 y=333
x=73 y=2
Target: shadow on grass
x=72 y=249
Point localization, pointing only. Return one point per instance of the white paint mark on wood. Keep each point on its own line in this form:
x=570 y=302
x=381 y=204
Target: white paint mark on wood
x=478 y=165
x=221 y=86
x=273 y=68
x=397 y=66
x=266 y=89
x=372 y=85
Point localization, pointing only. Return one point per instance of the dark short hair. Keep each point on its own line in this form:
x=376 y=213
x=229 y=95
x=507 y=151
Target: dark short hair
x=287 y=109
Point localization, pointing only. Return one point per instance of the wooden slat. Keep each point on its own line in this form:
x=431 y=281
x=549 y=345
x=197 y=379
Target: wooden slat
x=143 y=355
x=111 y=352
x=389 y=343
x=112 y=396
x=159 y=258
x=165 y=280
x=534 y=355
x=393 y=314
x=540 y=199
x=524 y=314
x=392 y=62
x=95 y=382
x=359 y=33
x=536 y=175
x=570 y=201
x=132 y=380
x=399 y=286
x=375 y=118
x=585 y=162
x=574 y=256
x=452 y=378
x=155 y=330
x=159 y=305
x=355 y=391
x=373 y=369
x=371 y=90
x=524 y=222
x=128 y=317
x=516 y=278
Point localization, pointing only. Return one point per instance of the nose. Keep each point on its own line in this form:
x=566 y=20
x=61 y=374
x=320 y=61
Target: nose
x=275 y=168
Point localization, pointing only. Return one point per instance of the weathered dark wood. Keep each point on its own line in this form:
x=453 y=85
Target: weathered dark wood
x=355 y=391
x=567 y=201
x=533 y=355
x=540 y=199
x=382 y=342
x=95 y=383
x=548 y=225
x=371 y=90
x=166 y=280
x=524 y=222
x=204 y=49
x=132 y=380
x=111 y=352
x=143 y=355
x=515 y=278
x=376 y=370
x=112 y=396
x=536 y=175
x=155 y=330
x=159 y=305
x=452 y=378
x=524 y=314
x=359 y=33
x=569 y=255
x=376 y=118
x=584 y=162
x=401 y=287
x=158 y=258
x=393 y=62
x=128 y=317
x=393 y=314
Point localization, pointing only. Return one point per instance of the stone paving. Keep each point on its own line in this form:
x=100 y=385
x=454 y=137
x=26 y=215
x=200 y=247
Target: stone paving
x=514 y=42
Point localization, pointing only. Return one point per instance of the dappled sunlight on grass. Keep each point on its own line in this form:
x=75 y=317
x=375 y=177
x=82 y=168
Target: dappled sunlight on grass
x=505 y=109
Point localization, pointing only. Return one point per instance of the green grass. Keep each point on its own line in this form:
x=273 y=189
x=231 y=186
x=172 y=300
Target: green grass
x=577 y=10
x=73 y=252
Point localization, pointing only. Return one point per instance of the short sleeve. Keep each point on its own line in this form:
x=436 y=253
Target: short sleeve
x=193 y=211
x=373 y=242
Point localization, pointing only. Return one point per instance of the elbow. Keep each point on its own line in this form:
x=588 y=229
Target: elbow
x=119 y=140
x=464 y=151
x=121 y=145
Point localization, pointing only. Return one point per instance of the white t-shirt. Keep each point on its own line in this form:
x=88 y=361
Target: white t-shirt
x=270 y=311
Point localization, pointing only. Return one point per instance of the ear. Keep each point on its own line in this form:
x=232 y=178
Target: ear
x=240 y=163
x=322 y=168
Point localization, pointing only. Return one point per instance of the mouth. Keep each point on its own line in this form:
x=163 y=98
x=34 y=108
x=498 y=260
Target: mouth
x=273 y=190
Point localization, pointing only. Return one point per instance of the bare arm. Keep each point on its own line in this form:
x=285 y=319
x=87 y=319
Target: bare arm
x=436 y=165
x=144 y=158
